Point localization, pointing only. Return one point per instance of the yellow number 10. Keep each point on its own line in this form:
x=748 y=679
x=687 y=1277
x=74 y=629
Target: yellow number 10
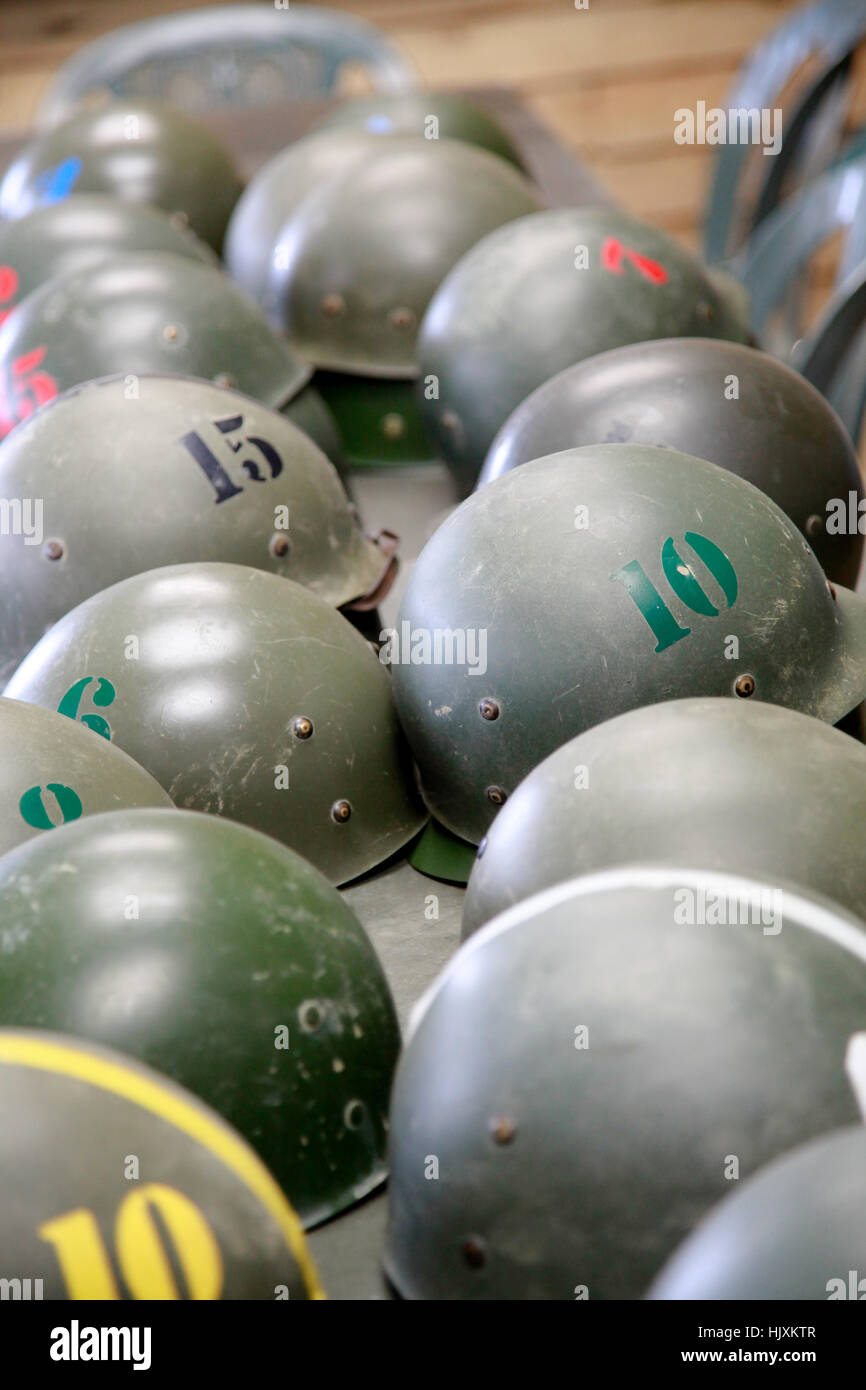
x=85 y=1263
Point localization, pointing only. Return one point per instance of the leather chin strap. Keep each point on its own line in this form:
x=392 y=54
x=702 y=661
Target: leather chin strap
x=386 y=542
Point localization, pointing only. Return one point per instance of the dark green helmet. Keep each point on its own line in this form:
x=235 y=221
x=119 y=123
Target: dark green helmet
x=141 y=313
x=731 y=404
x=52 y=772
x=434 y=115
x=378 y=418
x=156 y=1197
x=357 y=261
x=222 y=959
x=135 y=475
x=596 y=581
x=139 y=151
x=80 y=231
x=592 y=1071
x=795 y=1231
x=731 y=785
x=540 y=294
x=245 y=695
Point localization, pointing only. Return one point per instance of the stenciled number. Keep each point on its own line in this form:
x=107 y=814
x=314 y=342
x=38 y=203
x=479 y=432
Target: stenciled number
x=682 y=579
x=34 y=811
x=614 y=252
x=222 y=484
x=103 y=696
x=8 y=289
x=55 y=184
x=24 y=388
x=85 y=1262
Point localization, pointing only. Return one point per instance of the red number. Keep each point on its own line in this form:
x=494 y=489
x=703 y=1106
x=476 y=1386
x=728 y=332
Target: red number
x=8 y=289
x=30 y=388
x=613 y=253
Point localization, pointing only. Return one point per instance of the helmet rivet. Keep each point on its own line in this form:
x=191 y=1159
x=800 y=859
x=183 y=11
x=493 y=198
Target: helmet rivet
x=503 y=1129
x=393 y=426
x=401 y=317
x=488 y=709
x=353 y=1115
x=223 y=379
x=450 y=421
x=170 y=332
x=496 y=795
x=814 y=525
x=279 y=547
x=333 y=305
x=53 y=550
x=474 y=1252
x=340 y=812
x=481 y=848
x=302 y=727
x=179 y=219
x=705 y=310
x=310 y=1016
x=745 y=686
x=832 y=591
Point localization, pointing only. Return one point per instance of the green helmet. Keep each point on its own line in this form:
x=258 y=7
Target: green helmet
x=794 y=1231
x=732 y=785
x=142 y=313
x=222 y=959
x=731 y=404
x=537 y=296
x=51 y=773
x=80 y=231
x=433 y=115
x=245 y=695
x=596 y=581
x=139 y=151
x=150 y=1179
x=131 y=478
x=591 y=1071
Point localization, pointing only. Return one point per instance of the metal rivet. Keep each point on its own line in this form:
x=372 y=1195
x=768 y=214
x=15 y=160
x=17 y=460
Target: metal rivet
x=279 y=547
x=706 y=311
x=402 y=317
x=450 y=421
x=488 y=709
x=340 y=812
x=309 y=1017
x=496 y=795
x=223 y=379
x=481 y=848
x=745 y=686
x=53 y=550
x=353 y=1115
x=302 y=727
x=814 y=525
x=170 y=332
x=503 y=1129
x=393 y=426
x=179 y=219
x=333 y=304
x=474 y=1252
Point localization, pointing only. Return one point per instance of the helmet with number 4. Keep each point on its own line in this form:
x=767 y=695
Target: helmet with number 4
x=176 y=469
x=542 y=293
x=596 y=581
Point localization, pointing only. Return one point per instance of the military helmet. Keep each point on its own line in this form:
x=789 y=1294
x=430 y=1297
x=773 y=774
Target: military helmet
x=52 y=772
x=590 y=1072
x=80 y=231
x=176 y=469
x=434 y=115
x=731 y=404
x=219 y=957
x=543 y=293
x=141 y=313
x=731 y=785
x=595 y=581
x=378 y=419
x=140 y=151
x=156 y=1197
x=245 y=695
x=357 y=260
x=796 y=1230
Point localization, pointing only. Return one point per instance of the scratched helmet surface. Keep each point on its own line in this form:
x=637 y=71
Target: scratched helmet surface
x=143 y=152
x=592 y=1070
x=175 y=469
x=52 y=772
x=156 y=1197
x=596 y=581
x=80 y=231
x=796 y=1230
x=137 y=313
x=734 y=785
x=433 y=115
x=225 y=961
x=543 y=293
x=246 y=696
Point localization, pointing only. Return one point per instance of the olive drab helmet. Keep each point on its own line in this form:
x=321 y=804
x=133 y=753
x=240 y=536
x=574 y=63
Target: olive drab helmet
x=732 y=785
x=80 y=231
x=52 y=772
x=796 y=1230
x=221 y=1215
x=175 y=469
x=141 y=151
x=724 y=402
x=139 y=313
x=244 y=695
x=591 y=1070
x=219 y=957
x=543 y=293
x=595 y=581
x=434 y=115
